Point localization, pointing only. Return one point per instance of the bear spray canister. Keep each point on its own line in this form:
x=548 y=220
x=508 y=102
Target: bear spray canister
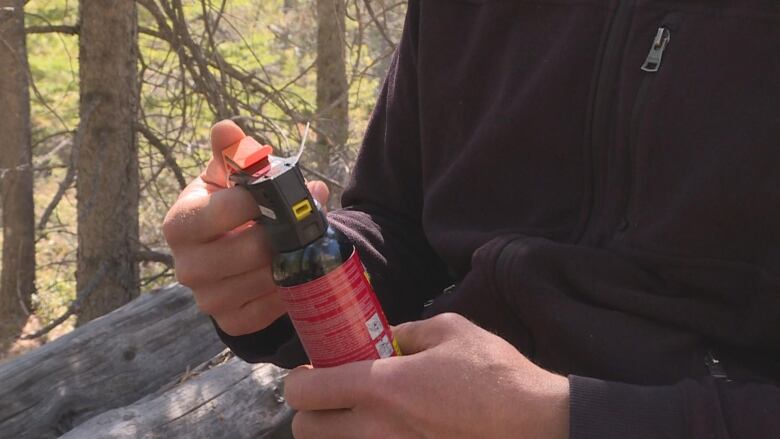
x=327 y=290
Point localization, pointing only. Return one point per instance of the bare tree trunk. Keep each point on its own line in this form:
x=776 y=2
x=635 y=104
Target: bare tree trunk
x=16 y=177
x=332 y=87
x=107 y=183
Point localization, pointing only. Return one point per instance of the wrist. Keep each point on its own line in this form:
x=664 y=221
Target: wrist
x=557 y=416
x=538 y=407
x=547 y=405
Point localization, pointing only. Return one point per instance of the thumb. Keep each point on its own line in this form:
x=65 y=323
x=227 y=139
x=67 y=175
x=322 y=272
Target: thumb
x=223 y=134
x=320 y=192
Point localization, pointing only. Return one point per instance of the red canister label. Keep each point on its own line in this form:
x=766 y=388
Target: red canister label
x=338 y=317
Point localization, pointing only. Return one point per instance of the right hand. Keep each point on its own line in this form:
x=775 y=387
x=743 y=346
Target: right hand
x=219 y=250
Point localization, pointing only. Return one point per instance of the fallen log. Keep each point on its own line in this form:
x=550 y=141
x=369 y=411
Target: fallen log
x=232 y=400
x=110 y=362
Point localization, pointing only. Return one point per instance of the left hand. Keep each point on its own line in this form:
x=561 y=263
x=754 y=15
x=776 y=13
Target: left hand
x=455 y=380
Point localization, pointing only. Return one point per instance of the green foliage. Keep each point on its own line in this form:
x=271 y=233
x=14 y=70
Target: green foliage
x=273 y=41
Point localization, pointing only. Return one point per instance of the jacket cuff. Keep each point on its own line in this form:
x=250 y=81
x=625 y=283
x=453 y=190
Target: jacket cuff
x=607 y=410
x=277 y=344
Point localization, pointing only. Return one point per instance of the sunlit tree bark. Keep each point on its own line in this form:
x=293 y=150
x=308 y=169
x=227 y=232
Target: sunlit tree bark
x=332 y=87
x=16 y=177
x=107 y=182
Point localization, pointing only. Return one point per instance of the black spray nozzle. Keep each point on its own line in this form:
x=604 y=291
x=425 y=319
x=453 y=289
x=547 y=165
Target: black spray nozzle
x=289 y=213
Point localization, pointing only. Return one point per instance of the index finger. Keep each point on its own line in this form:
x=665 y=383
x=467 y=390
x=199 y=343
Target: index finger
x=201 y=215
x=328 y=388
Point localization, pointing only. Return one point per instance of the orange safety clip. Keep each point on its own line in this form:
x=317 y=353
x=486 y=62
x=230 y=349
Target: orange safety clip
x=246 y=155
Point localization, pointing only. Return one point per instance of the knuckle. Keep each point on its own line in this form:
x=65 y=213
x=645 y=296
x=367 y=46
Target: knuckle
x=181 y=277
x=174 y=224
x=448 y=319
x=300 y=425
x=169 y=227
x=236 y=324
x=249 y=246
x=260 y=312
x=447 y=324
x=236 y=202
x=291 y=390
x=382 y=391
x=184 y=274
x=230 y=326
x=205 y=303
x=259 y=248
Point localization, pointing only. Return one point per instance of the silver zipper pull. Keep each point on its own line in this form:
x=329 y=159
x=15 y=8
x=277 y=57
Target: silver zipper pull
x=653 y=60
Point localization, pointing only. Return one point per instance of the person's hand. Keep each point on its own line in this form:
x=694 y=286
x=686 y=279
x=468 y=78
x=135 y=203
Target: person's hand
x=218 y=249
x=455 y=380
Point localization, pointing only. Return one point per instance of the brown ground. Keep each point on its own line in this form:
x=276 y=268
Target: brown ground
x=10 y=344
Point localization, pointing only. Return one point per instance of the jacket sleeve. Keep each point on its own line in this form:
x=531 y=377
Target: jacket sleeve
x=381 y=213
x=567 y=308
x=707 y=408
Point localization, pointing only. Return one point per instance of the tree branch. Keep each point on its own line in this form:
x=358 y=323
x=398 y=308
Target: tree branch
x=65 y=184
x=149 y=31
x=170 y=161
x=70 y=176
x=322 y=176
x=74 y=306
x=379 y=26
x=19 y=295
x=154 y=256
x=53 y=28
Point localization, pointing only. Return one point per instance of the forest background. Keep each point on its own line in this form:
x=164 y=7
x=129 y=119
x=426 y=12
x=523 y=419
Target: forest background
x=106 y=112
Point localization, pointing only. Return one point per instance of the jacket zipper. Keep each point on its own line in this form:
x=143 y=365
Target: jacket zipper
x=601 y=106
x=654 y=58
x=651 y=66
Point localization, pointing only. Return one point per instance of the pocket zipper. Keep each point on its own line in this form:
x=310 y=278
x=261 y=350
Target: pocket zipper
x=653 y=60
x=651 y=65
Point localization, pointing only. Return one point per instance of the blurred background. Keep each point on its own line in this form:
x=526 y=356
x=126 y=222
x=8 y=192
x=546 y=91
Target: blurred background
x=106 y=113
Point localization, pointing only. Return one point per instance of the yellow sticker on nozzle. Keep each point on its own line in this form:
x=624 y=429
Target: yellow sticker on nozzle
x=302 y=209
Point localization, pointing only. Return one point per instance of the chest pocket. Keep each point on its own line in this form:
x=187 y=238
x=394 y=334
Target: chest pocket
x=704 y=135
